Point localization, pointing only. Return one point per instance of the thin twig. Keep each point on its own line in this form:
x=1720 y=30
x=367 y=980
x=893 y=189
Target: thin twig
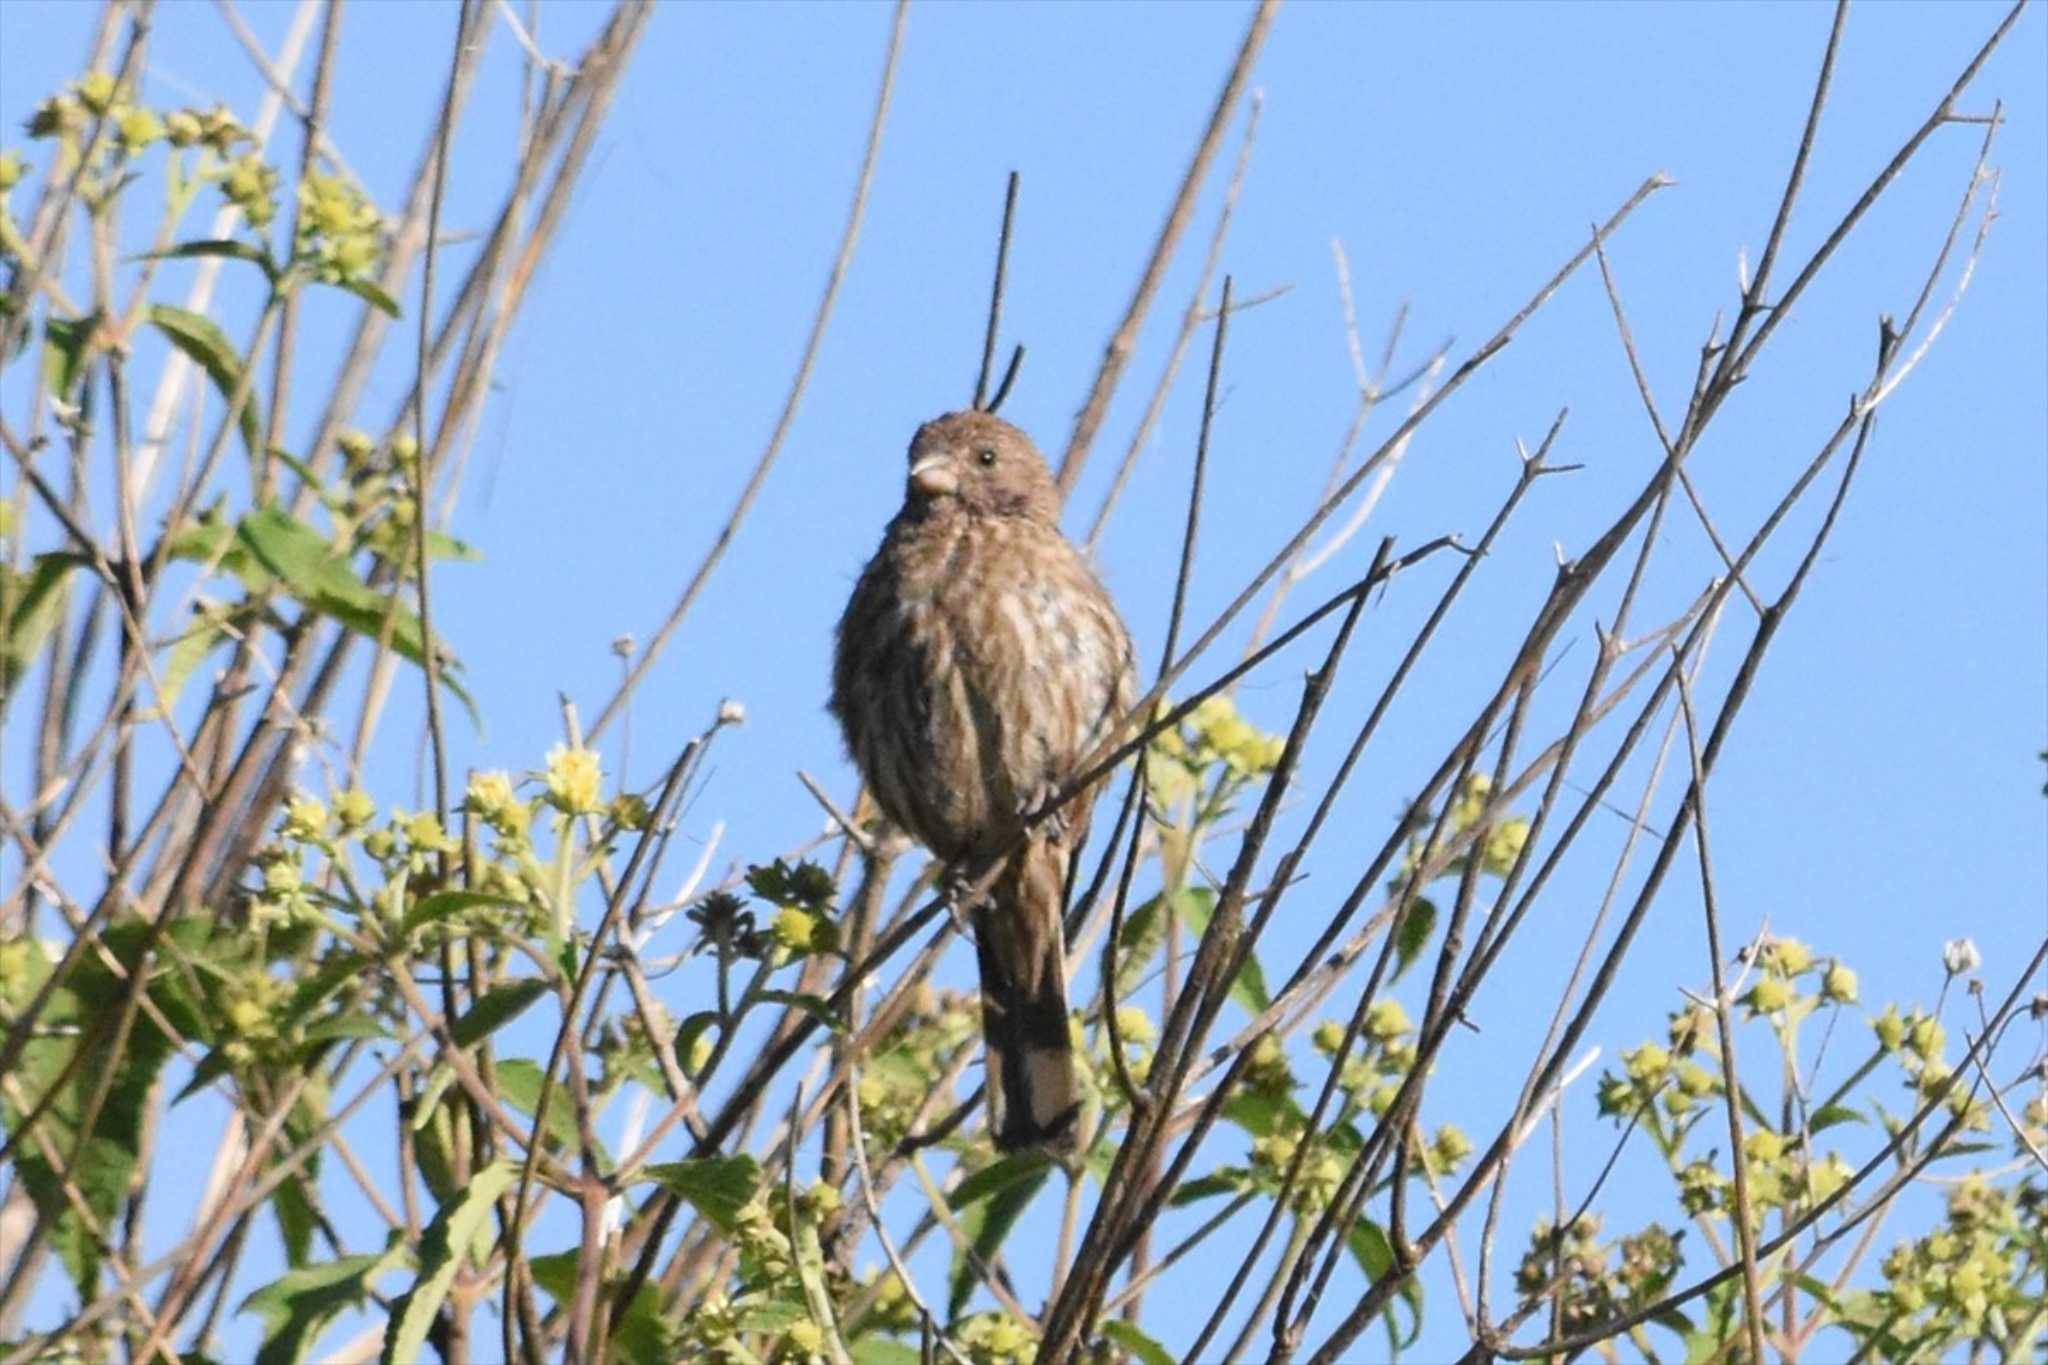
x=1745 y=1224
x=840 y=265
x=1125 y=338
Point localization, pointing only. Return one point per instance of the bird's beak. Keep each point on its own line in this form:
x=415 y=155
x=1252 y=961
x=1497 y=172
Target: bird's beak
x=934 y=476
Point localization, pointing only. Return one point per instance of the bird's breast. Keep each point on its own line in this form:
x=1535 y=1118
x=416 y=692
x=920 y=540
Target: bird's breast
x=1016 y=665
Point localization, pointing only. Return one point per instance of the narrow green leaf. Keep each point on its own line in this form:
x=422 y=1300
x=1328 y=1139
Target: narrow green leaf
x=1418 y=926
x=372 y=295
x=202 y=340
x=1826 y=1118
x=1225 y=1180
x=1671 y=1320
x=211 y=1068
x=690 y=1030
x=295 y=1221
x=813 y=1005
x=352 y=1024
x=1128 y=1336
x=996 y=1177
x=718 y=1187
x=298 y=1306
x=443 y=905
x=442 y=1247
x=500 y=1005
x=1196 y=904
x=986 y=1223
x=32 y=603
x=1369 y=1246
x=1375 y=1255
x=187 y=652
x=443 y=546
x=216 y=246
x=66 y=348
x=1144 y=931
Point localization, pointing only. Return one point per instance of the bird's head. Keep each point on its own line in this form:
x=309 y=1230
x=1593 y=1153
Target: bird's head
x=982 y=464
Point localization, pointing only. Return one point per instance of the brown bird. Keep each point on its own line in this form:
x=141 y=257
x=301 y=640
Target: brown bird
x=979 y=664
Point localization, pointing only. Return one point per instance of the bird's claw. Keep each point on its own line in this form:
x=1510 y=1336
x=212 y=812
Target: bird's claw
x=1055 y=825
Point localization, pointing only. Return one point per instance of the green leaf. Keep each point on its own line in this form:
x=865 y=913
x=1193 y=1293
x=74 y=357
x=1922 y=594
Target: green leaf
x=881 y=1350
x=79 y=1016
x=810 y=1267
x=298 y=1306
x=1196 y=904
x=638 y=1339
x=211 y=1068
x=1671 y=1320
x=987 y=1217
x=443 y=905
x=443 y=546
x=320 y=576
x=1144 y=931
x=690 y=1029
x=1224 y=1180
x=207 y=630
x=352 y=1024
x=1827 y=1117
x=500 y=1005
x=295 y=1221
x=207 y=346
x=1369 y=1246
x=1717 y=1326
x=718 y=1187
x=32 y=602
x=442 y=1247
x=813 y=1005
x=372 y=295
x=996 y=1177
x=1128 y=1336
x=770 y=1312
x=210 y=540
x=1262 y=1114
x=1820 y=1290
x=66 y=348
x=1418 y=925
x=216 y=246
x=313 y=992
x=519 y=1086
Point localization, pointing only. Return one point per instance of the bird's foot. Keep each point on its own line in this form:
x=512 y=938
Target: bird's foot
x=956 y=893
x=1054 y=826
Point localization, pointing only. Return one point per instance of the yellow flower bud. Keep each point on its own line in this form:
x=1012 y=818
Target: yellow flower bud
x=137 y=128
x=1386 y=1021
x=574 y=779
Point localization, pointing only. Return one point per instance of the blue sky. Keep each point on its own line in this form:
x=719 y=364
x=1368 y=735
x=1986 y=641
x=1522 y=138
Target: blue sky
x=1882 y=790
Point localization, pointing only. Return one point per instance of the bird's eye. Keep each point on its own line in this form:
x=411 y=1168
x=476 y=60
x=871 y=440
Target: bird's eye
x=987 y=456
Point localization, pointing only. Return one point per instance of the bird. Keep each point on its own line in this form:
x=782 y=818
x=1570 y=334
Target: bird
x=978 y=665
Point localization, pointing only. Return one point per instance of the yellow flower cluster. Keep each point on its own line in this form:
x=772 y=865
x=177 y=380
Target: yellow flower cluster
x=340 y=233
x=574 y=779
x=1210 y=735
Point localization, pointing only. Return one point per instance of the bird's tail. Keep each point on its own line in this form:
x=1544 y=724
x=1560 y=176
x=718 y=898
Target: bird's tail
x=1034 y=1088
